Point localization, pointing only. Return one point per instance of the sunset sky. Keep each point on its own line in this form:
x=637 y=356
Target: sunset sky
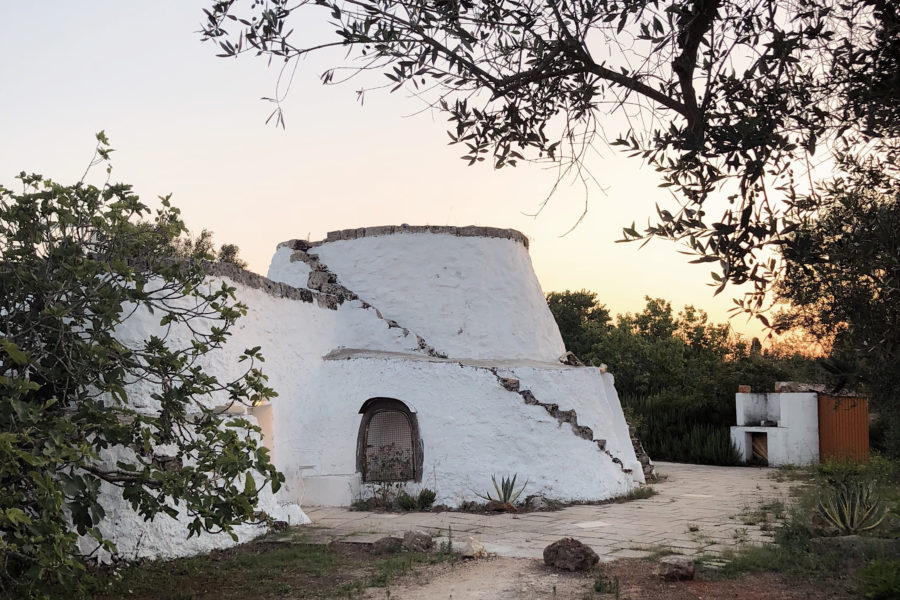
x=187 y=123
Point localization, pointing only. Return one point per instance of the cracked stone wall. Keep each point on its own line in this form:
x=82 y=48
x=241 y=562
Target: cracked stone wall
x=468 y=231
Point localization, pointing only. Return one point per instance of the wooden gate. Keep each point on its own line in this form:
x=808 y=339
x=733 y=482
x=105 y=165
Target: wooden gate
x=843 y=428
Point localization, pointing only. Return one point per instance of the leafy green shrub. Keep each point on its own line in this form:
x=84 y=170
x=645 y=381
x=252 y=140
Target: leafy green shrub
x=878 y=470
x=881 y=580
x=841 y=472
x=676 y=373
x=851 y=507
x=425 y=499
x=75 y=261
x=406 y=501
x=709 y=444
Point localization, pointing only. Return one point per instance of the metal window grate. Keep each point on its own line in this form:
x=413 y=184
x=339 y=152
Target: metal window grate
x=389 y=447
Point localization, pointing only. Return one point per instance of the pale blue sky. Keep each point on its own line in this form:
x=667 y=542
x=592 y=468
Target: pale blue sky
x=188 y=123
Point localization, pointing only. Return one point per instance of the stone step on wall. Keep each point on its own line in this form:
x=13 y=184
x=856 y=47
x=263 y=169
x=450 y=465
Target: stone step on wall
x=272 y=288
x=562 y=416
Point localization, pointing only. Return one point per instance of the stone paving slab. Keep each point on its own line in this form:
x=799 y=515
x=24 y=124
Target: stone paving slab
x=697 y=510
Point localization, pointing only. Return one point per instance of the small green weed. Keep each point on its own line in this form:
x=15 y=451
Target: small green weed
x=405 y=501
x=881 y=580
x=701 y=538
x=656 y=552
x=639 y=493
x=392 y=567
x=741 y=535
x=774 y=507
x=787 y=473
x=604 y=585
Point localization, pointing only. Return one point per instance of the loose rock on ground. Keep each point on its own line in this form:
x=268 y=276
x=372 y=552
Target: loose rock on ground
x=570 y=554
x=387 y=545
x=472 y=548
x=676 y=568
x=417 y=541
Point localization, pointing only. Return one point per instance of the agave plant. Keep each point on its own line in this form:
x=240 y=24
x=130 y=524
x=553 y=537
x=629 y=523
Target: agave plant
x=852 y=507
x=506 y=492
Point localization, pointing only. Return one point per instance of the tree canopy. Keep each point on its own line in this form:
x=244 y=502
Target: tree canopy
x=201 y=247
x=77 y=261
x=842 y=282
x=729 y=99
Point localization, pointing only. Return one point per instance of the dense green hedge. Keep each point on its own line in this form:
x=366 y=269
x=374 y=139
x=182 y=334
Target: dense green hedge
x=683 y=430
x=676 y=374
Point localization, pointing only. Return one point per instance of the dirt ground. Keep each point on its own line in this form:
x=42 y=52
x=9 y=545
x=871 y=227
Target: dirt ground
x=489 y=579
x=524 y=579
x=270 y=571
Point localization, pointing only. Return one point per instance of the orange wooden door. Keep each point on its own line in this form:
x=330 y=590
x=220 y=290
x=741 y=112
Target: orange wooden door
x=843 y=428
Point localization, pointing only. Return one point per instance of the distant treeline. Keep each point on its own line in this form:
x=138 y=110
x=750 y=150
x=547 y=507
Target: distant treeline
x=677 y=374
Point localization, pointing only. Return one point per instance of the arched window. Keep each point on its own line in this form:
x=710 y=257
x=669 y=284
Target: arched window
x=388 y=447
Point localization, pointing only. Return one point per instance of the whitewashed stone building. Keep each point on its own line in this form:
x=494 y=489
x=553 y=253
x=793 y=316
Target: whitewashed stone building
x=421 y=354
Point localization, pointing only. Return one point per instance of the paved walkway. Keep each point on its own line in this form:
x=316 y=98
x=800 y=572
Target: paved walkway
x=698 y=510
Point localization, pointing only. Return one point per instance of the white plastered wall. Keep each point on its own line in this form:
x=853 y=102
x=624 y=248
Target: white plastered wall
x=470 y=426
x=294 y=336
x=469 y=297
x=800 y=415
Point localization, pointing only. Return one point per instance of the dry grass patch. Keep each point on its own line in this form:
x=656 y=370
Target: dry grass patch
x=263 y=570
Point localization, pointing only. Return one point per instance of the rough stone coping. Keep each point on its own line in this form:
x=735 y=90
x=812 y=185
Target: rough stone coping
x=467 y=231
x=342 y=353
x=259 y=282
